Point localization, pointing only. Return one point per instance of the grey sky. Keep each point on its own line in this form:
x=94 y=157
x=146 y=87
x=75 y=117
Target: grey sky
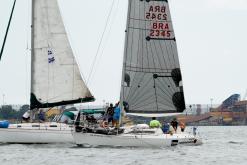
x=210 y=36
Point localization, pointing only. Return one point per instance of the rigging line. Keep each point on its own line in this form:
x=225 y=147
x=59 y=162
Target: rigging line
x=27 y=52
x=7 y=30
x=100 y=43
x=107 y=38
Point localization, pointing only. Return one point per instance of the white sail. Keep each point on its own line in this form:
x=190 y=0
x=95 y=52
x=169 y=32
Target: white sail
x=55 y=76
x=151 y=78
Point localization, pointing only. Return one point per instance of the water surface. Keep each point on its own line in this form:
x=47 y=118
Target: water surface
x=221 y=145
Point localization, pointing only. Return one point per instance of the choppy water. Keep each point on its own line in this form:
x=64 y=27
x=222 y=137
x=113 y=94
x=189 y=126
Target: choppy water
x=222 y=145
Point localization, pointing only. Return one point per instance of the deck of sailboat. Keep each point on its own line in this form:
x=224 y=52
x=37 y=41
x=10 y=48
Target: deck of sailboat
x=37 y=133
x=131 y=139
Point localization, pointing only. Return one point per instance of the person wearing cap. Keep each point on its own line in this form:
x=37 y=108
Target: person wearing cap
x=154 y=123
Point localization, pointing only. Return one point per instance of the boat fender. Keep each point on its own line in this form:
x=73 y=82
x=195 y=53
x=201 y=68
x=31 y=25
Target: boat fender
x=4 y=124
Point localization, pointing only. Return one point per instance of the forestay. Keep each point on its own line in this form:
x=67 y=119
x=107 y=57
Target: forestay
x=151 y=78
x=55 y=76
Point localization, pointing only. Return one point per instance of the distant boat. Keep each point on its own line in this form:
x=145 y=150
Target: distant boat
x=151 y=82
x=55 y=78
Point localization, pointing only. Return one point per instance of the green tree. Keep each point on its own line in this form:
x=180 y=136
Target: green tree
x=7 y=112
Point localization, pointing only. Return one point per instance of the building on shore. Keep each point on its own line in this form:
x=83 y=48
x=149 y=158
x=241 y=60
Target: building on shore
x=232 y=111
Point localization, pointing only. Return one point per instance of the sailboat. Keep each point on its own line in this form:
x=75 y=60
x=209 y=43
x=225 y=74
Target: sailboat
x=55 y=78
x=151 y=81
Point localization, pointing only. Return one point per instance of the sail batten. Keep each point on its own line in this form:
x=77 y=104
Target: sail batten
x=151 y=77
x=55 y=75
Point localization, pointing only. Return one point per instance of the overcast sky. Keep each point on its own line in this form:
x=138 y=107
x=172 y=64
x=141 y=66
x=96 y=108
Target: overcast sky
x=211 y=37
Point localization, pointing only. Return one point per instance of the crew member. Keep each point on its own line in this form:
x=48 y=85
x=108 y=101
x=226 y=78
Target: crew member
x=154 y=123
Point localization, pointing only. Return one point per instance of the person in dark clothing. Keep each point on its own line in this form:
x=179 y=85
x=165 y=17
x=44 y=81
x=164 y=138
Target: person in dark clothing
x=174 y=124
x=110 y=113
x=41 y=116
x=165 y=127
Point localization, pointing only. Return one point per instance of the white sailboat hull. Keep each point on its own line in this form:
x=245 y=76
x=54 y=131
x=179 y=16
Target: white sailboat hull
x=132 y=140
x=45 y=133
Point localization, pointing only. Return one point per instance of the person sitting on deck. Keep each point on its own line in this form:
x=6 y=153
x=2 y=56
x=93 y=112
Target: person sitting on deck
x=154 y=123
x=91 y=119
x=41 y=116
x=110 y=113
x=116 y=115
x=104 y=124
x=171 y=130
x=182 y=126
x=165 y=127
x=174 y=124
x=26 y=116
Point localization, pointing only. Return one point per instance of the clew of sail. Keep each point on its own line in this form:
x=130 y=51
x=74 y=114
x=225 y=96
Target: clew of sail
x=55 y=75
x=151 y=77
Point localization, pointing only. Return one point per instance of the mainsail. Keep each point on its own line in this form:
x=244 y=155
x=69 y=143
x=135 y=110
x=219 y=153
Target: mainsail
x=55 y=75
x=151 y=78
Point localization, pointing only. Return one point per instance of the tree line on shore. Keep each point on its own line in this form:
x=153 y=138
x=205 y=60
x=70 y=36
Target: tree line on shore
x=7 y=112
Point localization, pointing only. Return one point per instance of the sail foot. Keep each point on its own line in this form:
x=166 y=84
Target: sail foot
x=34 y=103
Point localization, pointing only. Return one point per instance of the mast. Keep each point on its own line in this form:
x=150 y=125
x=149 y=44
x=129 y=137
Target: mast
x=6 y=34
x=32 y=45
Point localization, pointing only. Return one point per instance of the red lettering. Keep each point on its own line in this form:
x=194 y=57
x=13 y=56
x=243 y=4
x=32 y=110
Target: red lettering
x=160 y=25
x=160 y=33
x=155 y=26
x=151 y=9
x=157 y=33
x=166 y=33
x=166 y=26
